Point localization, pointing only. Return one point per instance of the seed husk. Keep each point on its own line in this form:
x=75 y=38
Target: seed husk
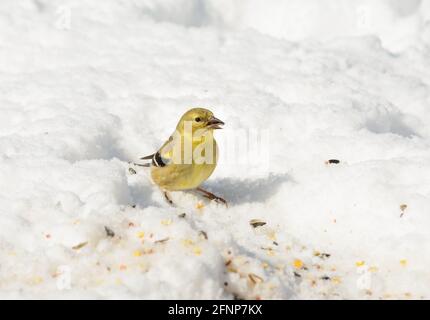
x=162 y=240
x=255 y=223
x=109 y=232
x=403 y=207
x=80 y=246
x=254 y=278
x=203 y=234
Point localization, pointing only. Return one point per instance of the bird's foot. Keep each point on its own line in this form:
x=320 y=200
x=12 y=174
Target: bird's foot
x=166 y=195
x=212 y=197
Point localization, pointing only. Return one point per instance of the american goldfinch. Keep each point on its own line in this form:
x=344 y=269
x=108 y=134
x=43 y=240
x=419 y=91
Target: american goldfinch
x=189 y=156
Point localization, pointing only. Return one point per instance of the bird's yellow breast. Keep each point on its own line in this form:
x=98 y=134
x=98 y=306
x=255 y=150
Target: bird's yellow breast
x=185 y=175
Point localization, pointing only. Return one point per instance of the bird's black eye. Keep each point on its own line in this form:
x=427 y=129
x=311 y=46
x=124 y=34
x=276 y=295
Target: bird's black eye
x=198 y=119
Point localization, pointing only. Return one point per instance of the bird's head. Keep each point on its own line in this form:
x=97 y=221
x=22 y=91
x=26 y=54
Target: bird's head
x=200 y=119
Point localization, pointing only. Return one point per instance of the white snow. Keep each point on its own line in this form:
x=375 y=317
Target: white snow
x=87 y=86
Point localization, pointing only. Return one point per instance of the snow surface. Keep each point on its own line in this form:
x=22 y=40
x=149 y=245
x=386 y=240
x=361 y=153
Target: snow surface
x=87 y=86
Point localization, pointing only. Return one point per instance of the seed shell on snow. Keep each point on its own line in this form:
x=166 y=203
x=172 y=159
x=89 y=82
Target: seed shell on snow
x=203 y=234
x=254 y=278
x=162 y=240
x=80 y=245
x=255 y=223
x=332 y=161
x=109 y=232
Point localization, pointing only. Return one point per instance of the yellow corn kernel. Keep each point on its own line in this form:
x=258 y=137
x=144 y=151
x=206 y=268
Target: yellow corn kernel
x=360 y=263
x=298 y=264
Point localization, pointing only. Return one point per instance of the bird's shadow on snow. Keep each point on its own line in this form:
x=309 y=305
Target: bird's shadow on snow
x=142 y=195
x=239 y=191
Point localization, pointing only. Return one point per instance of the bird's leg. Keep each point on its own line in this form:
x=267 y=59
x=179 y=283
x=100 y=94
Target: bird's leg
x=211 y=196
x=166 y=195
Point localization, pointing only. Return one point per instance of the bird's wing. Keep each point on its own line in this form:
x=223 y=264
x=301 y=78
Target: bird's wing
x=156 y=160
x=163 y=156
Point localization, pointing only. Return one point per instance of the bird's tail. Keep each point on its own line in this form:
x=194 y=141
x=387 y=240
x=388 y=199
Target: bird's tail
x=148 y=157
x=145 y=164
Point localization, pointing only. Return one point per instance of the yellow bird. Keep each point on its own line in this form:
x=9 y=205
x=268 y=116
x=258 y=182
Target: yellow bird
x=189 y=156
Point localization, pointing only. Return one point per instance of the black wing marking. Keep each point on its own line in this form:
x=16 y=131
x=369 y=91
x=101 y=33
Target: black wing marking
x=157 y=160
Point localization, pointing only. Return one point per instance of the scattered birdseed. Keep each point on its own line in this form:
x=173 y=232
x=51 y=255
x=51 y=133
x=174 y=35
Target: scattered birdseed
x=80 y=246
x=325 y=278
x=271 y=235
x=373 y=269
x=162 y=240
x=109 y=232
x=403 y=262
x=166 y=222
x=148 y=251
x=403 y=207
x=298 y=264
x=269 y=251
x=200 y=205
x=322 y=255
x=187 y=242
x=122 y=267
x=332 y=161
x=254 y=278
x=203 y=234
x=197 y=251
x=36 y=280
x=141 y=234
x=232 y=269
x=137 y=253
x=132 y=171
x=255 y=223
x=336 y=280
x=182 y=215
x=360 y=263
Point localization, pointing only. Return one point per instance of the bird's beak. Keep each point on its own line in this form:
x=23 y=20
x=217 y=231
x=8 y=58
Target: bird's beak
x=214 y=123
